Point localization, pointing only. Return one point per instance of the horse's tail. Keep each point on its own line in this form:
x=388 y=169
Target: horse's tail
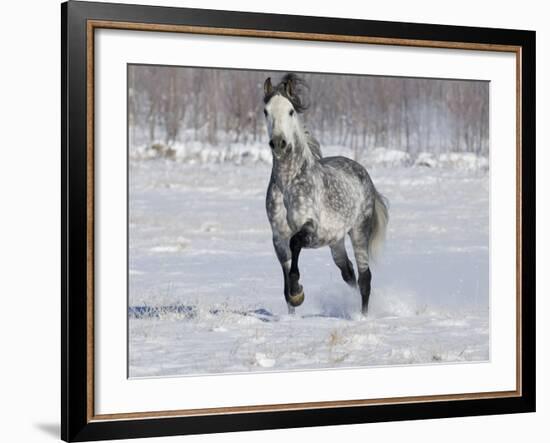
x=379 y=222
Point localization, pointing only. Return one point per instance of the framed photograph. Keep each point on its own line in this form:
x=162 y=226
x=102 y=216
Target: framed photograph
x=275 y=221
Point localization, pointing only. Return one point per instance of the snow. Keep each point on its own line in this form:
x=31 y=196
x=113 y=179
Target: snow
x=250 y=153
x=427 y=159
x=464 y=160
x=193 y=152
x=388 y=157
x=205 y=287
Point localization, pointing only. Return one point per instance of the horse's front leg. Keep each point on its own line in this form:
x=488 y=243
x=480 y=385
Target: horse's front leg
x=304 y=238
x=282 y=249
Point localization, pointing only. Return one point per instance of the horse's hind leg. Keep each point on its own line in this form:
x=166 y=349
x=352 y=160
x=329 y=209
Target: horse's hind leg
x=359 y=240
x=282 y=249
x=343 y=262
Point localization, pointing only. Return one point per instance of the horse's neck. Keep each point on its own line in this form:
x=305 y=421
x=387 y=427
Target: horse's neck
x=284 y=172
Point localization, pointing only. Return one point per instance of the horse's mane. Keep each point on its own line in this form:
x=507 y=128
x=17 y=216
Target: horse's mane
x=291 y=87
x=314 y=146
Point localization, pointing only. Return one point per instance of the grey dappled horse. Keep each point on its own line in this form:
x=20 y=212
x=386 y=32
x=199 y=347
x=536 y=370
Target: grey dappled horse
x=314 y=201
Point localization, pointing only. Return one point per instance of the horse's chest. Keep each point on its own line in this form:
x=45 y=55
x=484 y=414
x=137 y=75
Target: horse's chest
x=301 y=205
x=299 y=201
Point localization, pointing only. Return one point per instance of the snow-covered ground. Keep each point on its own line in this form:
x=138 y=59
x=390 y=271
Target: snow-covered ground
x=254 y=152
x=205 y=288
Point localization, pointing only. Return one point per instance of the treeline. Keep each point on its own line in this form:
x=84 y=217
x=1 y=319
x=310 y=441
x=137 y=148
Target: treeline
x=176 y=104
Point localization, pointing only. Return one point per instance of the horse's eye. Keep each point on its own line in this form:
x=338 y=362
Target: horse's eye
x=291 y=113
x=265 y=112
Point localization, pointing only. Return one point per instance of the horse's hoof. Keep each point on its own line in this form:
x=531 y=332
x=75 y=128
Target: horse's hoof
x=296 y=299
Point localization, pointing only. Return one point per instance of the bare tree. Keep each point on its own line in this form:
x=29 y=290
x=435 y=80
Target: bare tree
x=210 y=106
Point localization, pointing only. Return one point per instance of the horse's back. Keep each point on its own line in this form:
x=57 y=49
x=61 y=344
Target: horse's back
x=347 y=166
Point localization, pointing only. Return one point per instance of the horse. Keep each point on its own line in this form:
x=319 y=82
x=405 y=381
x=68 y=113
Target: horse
x=314 y=201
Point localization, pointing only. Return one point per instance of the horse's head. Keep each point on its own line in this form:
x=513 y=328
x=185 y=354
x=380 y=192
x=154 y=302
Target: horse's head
x=283 y=103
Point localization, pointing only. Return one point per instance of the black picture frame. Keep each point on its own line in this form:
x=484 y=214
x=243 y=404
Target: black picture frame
x=76 y=422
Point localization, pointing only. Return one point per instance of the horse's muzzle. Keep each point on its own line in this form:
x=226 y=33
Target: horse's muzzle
x=279 y=145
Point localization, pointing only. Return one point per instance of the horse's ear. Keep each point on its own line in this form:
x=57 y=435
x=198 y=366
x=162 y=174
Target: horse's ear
x=268 y=87
x=289 y=87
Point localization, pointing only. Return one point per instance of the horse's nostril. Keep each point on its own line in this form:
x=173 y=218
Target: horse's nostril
x=283 y=144
x=271 y=144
